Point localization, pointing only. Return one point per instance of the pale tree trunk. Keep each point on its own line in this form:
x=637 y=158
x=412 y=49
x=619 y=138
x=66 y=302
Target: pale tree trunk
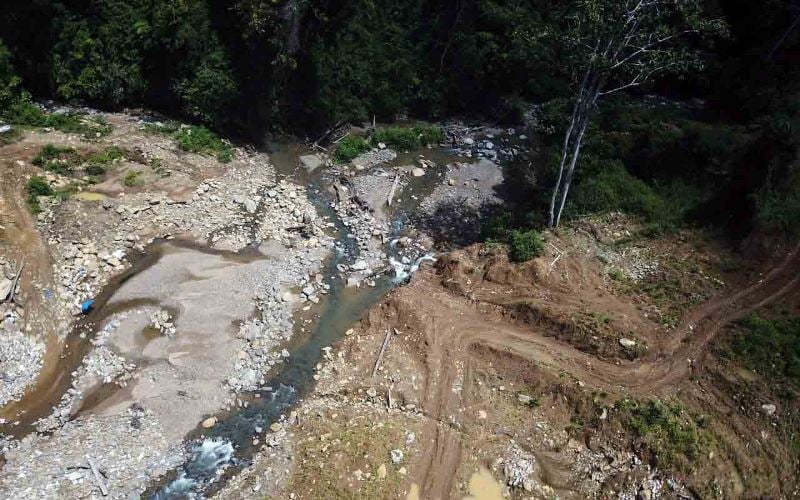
x=590 y=90
x=573 y=161
x=565 y=149
x=557 y=187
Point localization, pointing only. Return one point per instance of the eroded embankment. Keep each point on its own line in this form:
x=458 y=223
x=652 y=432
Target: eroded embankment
x=444 y=377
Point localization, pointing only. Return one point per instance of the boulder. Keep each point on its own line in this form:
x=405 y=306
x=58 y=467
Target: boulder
x=311 y=162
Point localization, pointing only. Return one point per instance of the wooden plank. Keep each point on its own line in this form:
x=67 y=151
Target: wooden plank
x=394 y=188
x=101 y=482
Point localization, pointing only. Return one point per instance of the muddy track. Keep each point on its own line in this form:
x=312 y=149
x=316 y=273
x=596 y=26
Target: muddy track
x=452 y=326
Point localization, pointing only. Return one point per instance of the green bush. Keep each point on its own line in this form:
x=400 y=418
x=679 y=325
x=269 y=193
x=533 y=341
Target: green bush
x=37 y=186
x=132 y=178
x=675 y=438
x=194 y=139
x=108 y=155
x=609 y=187
x=24 y=113
x=56 y=159
x=779 y=212
x=9 y=81
x=525 y=245
x=202 y=141
x=408 y=138
x=95 y=170
x=770 y=346
x=350 y=147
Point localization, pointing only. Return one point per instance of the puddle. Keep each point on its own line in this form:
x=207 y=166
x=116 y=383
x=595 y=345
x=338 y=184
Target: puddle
x=89 y=196
x=483 y=486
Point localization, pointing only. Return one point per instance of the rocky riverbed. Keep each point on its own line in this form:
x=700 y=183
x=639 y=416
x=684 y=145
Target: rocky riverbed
x=199 y=280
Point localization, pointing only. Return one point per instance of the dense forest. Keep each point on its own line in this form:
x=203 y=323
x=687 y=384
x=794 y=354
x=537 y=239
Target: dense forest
x=715 y=145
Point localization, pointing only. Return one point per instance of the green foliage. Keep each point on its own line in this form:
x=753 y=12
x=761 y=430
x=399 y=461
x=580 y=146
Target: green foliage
x=194 y=139
x=202 y=141
x=779 y=211
x=158 y=167
x=674 y=437
x=9 y=81
x=37 y=186
x=132 y=178
x=496 y=227
x=525 y=245
x=118 y=53
x=350 y=147
x=409 y=138
x=108 y=155
x=770 y=346
x=370 y=64
x=56 y=159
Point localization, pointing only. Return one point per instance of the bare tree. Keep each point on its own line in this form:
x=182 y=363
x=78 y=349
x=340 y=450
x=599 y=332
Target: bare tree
x=617 y=45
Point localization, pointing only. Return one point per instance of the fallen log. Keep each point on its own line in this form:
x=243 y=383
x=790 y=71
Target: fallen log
x=14 y=284
x=98 y=477
x=380 y=353
x=394 y=187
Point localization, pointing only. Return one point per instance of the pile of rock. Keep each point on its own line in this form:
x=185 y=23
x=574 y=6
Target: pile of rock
x=162 y=321
x=372 y=158
x=276 y=304
x=82 y=270
x=21 y=357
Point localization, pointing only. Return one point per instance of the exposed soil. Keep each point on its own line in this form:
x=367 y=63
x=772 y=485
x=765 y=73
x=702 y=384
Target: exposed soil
x=487 y=364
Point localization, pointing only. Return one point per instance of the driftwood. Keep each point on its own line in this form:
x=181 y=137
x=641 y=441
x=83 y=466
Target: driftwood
x=380 y=353
x=327 y=133
x=341 y=194
x=12 y=294
x=394 y=187
x=101 y=482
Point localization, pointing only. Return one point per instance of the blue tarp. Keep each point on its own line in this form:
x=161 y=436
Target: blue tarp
x=87 y=306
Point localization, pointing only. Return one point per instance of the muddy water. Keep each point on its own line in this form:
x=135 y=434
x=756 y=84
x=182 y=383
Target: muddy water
x=56 y=376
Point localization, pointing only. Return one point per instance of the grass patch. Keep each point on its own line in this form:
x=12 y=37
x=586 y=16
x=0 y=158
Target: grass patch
x=37 y=186
x=25 y=113
x=158 y=167
x=132 y=178
x=408 y=138
x=194 y=139
x=675 y=438
x=12 y=135
x=108 y=155
x=769 y=346
x=344 y=449
x=350 y=147
x=58 y=160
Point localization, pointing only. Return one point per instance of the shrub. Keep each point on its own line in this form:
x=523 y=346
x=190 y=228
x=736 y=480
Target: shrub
x=350 y=147
x=673 y=436
x=408 y=138
x=109 y=155
x=194 y=139
x=95 y=170
x=56 y=159
x=770 y=346
x=496 y=228
x=132 y=178
x=779 y=212
x=37 y=186
x=525 y=245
